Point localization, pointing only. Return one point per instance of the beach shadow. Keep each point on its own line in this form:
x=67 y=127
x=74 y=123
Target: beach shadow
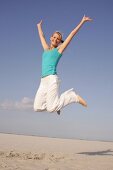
x=108 y=152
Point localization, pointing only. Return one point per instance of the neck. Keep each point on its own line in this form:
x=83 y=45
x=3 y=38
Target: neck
x=51 y=47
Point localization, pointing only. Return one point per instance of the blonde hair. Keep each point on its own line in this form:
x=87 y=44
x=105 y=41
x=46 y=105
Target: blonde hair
x=59 y=33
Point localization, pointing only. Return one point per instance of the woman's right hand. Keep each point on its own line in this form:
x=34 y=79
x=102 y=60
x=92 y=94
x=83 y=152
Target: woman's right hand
x=40 y=23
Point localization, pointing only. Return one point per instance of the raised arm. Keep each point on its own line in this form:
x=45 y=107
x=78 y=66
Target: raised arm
x=72 y=34
x=41 y=35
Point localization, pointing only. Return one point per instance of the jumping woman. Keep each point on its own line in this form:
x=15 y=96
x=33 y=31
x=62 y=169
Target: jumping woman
x=47 y=97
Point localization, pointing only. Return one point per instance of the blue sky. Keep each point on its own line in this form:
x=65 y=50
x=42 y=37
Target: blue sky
x=86 y=66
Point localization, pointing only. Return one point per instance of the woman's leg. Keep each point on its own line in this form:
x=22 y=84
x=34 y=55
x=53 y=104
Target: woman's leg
x=82 y=101
x=54 y=102
x=40 y=98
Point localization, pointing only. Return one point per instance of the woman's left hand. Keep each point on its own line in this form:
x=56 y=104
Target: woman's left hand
x=85 y=19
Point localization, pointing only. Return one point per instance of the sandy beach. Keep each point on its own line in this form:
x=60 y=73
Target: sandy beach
x=19 y=152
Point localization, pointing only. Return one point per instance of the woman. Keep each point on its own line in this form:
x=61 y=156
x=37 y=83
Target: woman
x=47 y=97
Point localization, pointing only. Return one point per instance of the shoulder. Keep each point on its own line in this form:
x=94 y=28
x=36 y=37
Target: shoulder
x=60 y=49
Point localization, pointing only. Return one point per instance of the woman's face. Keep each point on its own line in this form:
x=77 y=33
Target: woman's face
x=55 y=39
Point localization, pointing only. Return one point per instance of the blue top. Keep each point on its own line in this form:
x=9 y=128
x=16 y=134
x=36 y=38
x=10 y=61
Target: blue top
x=50 y=59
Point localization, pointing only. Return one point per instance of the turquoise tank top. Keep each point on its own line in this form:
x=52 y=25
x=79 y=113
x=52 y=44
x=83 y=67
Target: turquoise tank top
x=50 y=59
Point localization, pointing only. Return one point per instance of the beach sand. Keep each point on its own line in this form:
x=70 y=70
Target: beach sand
x=19 y=152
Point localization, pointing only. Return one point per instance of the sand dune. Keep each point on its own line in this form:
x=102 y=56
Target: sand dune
x=18 y=152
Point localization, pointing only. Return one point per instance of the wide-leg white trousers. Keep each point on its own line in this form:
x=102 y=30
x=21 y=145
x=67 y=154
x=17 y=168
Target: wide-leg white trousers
x=47 y=97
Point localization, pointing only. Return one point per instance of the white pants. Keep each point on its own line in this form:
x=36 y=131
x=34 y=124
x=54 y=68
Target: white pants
x=47 y=97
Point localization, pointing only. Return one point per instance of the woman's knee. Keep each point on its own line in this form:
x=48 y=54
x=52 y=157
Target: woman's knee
x=37 y=108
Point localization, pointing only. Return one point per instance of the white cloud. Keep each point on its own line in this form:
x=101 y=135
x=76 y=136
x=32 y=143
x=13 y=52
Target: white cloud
x=24 y=104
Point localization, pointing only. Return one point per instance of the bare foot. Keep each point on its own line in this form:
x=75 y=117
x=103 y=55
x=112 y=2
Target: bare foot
x=82 y=101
